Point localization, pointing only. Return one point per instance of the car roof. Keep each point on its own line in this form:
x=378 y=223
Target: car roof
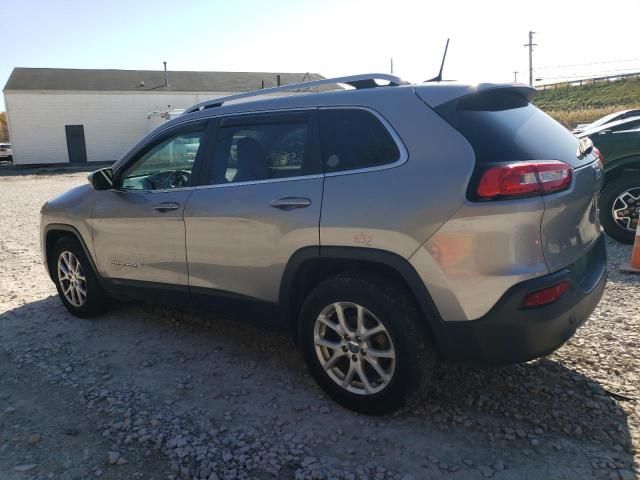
x=434 y=93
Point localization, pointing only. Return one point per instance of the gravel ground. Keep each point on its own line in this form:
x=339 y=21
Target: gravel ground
x=157 y=393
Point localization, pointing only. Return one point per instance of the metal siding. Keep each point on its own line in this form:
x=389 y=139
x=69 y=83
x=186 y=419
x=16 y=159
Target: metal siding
x=112 y=122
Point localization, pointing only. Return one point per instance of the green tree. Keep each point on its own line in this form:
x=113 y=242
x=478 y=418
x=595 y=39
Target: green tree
x=4 y=128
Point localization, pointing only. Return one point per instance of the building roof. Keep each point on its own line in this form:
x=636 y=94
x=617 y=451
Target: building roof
x=93 y=80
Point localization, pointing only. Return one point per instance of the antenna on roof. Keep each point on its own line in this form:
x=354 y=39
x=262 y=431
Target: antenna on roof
x=439 y=77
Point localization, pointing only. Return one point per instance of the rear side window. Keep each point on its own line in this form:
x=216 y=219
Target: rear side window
x=354 y=138
x=264 y=149
x=505 y=127
x=626 y=126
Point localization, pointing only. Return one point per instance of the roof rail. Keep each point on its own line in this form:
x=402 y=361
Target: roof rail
x=367 y=80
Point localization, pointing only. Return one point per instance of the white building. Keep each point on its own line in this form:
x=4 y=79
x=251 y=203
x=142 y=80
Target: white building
x=59 y=116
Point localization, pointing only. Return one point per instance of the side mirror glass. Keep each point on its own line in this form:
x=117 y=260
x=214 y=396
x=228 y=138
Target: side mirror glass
x=101 y=179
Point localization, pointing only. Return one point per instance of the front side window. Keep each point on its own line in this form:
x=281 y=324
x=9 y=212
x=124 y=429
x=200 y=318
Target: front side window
x=166 y=164
x=354 y=138
x=261 y=151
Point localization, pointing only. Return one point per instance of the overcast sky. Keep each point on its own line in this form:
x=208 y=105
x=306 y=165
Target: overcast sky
x=330 y=37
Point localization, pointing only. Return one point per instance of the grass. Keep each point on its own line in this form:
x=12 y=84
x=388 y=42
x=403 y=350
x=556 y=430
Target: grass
x=586 y=115
x=582 y=104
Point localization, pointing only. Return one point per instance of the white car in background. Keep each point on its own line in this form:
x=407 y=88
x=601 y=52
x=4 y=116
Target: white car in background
x=5 y=151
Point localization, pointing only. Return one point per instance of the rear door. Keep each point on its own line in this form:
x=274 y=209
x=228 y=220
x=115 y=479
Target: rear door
x=259 y=203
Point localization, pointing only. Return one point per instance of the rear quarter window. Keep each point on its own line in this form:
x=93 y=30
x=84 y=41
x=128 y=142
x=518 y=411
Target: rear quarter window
x=353 y=138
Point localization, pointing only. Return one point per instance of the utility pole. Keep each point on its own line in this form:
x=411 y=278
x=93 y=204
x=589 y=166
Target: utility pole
x=515 y=76
x=531 y=45
x=391 y=65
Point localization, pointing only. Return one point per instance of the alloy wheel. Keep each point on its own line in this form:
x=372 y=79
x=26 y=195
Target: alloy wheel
x=626 y=209
x=354 y=348
x=71 y=278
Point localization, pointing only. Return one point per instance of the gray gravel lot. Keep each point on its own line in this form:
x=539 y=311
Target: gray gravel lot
x=157 y=393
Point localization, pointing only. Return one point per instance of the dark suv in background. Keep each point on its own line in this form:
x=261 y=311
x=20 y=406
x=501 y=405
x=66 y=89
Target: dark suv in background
x=619 y=144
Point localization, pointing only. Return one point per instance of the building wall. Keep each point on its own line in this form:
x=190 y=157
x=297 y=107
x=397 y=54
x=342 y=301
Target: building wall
x=112 y=121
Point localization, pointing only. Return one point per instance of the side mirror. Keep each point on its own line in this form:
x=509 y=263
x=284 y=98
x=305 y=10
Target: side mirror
x=101 y=179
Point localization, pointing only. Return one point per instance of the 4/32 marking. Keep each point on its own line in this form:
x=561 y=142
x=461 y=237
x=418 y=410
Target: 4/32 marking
x=361 y=238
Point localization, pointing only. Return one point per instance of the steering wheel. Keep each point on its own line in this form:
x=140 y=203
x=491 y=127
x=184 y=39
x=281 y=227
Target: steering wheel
x=179 y=179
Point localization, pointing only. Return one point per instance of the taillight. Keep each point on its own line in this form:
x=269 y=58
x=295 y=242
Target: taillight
x=524 y=179
x=546 y=296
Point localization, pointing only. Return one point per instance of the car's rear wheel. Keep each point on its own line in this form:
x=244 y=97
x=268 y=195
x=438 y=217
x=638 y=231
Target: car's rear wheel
x=620 y=207
x=365 y=343
x=76 y=282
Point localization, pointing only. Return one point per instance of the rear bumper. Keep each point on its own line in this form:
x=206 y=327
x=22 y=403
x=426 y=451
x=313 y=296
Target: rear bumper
x=510 y=333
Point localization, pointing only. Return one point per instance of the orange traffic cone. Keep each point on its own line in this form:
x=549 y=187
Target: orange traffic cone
x=634 y=266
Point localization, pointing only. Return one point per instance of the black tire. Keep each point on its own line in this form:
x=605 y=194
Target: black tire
x=396 y=310
x=608 y=196
x=96 y=299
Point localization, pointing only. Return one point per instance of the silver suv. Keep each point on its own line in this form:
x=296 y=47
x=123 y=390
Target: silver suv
x=386 y=226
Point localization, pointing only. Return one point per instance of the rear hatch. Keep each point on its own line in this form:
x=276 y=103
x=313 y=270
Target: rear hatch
x=505 y=128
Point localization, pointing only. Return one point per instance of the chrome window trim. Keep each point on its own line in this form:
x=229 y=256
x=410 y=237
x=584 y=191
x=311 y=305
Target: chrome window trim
x=402 y=159
x=256 y=182
x=164 y=190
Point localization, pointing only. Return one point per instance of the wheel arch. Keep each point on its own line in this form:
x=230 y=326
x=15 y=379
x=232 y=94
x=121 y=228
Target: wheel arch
x=54 y=232
x=621 y=165
x=311 y=265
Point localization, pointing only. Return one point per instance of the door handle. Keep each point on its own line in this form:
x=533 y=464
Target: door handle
x=290 y=203
x=166 y=206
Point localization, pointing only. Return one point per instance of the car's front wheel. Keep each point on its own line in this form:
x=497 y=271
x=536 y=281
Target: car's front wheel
x=365 y=343
x=76 y=282
x=620 y=207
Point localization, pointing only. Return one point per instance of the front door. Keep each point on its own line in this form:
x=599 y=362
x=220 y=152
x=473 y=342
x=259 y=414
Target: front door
x=260 y=204
x=138 y=229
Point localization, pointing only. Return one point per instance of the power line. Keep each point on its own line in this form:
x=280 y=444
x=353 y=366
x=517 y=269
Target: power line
x=586 y=64
x=589 y=74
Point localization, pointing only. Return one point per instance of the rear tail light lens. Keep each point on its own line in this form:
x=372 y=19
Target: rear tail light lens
x=546 y=296
x=524 y=179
